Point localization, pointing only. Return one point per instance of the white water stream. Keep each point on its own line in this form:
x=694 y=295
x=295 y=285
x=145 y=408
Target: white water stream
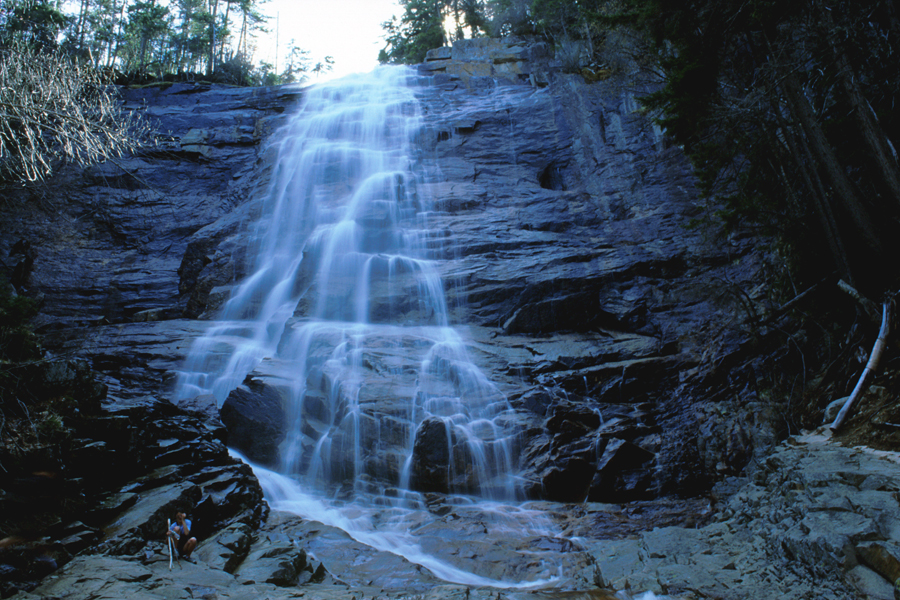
x=393 y=534
x=345 y=301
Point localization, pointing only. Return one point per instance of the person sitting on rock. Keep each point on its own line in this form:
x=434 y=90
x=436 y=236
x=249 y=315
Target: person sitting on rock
x=181 y=535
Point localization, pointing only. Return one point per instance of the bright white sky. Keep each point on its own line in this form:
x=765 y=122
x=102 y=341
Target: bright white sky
x=347 y=30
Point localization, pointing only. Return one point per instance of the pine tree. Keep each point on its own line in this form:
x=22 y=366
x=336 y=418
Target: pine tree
x=786 y=110
x=35 y=23
x=418 y=30
x=147 y=21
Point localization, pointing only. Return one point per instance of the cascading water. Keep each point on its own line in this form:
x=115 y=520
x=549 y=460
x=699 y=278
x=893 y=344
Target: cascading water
x=344 y=280
x=344 y=315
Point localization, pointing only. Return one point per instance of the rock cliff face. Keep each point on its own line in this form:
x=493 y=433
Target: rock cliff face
x=562 y=225
x=584 y=293
x=614 y=328
x=109 y=241
x=581 y=282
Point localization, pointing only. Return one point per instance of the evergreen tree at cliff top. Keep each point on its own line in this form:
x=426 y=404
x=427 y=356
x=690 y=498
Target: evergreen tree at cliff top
x=787 y=111
x=145 y=39
x=418 y=30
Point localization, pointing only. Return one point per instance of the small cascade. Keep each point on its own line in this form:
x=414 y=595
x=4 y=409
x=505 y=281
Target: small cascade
x=344 y=314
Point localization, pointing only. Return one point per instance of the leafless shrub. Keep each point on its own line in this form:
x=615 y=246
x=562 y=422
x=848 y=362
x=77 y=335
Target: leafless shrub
x=54 y=110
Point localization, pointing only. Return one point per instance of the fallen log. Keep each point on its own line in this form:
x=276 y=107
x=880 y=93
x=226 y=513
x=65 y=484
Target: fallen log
x=874 y=358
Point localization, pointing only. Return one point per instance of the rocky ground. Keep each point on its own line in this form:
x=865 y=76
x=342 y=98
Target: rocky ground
x=815 y=520
x=109 y=478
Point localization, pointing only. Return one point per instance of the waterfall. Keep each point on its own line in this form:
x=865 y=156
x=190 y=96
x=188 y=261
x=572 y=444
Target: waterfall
x=344 y=312
x=344 y=319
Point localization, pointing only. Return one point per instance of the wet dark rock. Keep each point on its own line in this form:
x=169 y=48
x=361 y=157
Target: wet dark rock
x=109 y=248
x=206 y=409
x=431 y=456
x=226 y=548
x=568 y=480
x=215 y=256
x=255 y=418
x=281 y=565
x=112 y=505
x=20 y=276
x=123 y=469
x=622 y=473
x=562 y=208
x=442 y=460
x=536 y=401
x=569 y=416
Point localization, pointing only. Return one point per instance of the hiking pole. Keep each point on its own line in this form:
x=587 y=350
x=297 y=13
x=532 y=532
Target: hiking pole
x=169 y=540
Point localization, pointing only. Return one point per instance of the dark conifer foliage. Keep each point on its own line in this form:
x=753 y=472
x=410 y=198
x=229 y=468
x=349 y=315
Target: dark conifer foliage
x=418 y=30
x=144 y=40
x=33 y=22
x=787 y=110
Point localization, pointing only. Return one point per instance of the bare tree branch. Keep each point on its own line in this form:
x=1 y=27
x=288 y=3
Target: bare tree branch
x=54 y=110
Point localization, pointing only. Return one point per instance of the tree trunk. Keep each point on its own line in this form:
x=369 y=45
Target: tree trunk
x=799 y=152
x=185 y=30
x=222 y=45
x=211 y=67
x=803 y=113
x=242 y=40
x=869 y=128
x=82 y=17
x=118 y=35
x=874 y=358
x=142 y=52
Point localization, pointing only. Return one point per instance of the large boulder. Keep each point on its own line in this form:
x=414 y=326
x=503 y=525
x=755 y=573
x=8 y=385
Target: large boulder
x=431 y=456
x=510 y=59
x=255 y=417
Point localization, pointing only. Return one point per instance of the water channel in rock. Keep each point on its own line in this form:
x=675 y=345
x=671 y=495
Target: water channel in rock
x=345 y=316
